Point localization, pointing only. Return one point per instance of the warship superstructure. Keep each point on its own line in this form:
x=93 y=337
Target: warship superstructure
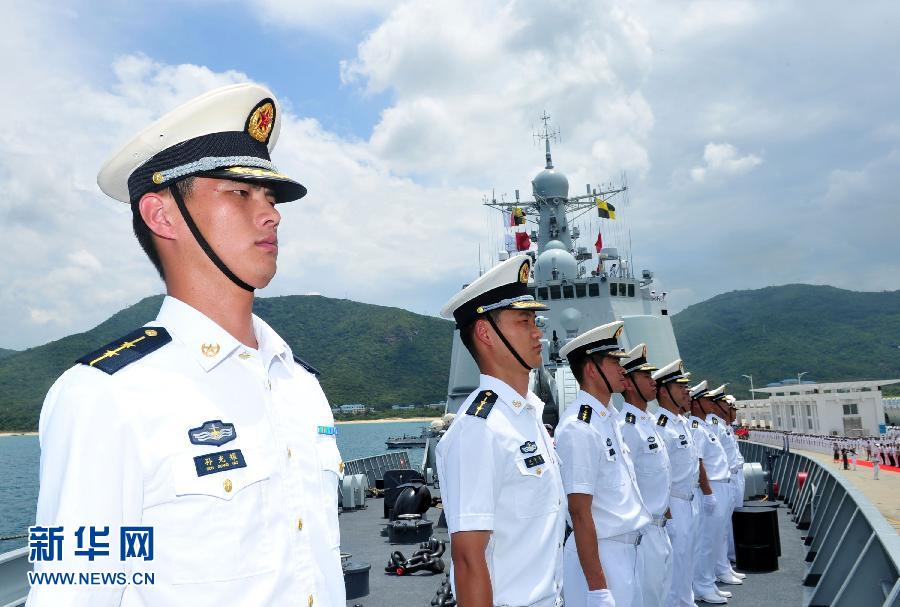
x=584 y=286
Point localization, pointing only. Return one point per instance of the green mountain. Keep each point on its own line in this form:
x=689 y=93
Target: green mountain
x=369 y=354
x=777 y=332
x=382 y=356
x=4 y=352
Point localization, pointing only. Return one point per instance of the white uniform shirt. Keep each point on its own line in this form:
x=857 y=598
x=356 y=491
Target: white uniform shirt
x=116 y=450
x=715 y=462
x=649 y=455
x=595 y=461
x=684 y=456
x=500 y=473
x=726 y=439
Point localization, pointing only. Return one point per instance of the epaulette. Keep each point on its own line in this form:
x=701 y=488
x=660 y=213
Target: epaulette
x=482 y=404
x=630 y=418
x=585 y=413
x=695 y=424
x=122 y=352
x=662 y=420
x=307 y=366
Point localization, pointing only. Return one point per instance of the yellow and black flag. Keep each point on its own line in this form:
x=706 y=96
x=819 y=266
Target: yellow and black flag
x=605 y=209
x=518 y=216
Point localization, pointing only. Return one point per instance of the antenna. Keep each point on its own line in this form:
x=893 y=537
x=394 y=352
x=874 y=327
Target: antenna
x=546 y=135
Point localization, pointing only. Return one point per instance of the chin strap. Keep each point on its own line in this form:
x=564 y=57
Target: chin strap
x=506 y=343
x=602 y=374
x=634 y=383
x=179 y=200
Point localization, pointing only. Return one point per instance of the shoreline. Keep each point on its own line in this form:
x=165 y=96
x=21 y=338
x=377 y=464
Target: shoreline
x=18 y=433
x=387 y=419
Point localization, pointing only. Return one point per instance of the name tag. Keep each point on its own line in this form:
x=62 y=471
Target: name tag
x=219 y=462
x=534 y=460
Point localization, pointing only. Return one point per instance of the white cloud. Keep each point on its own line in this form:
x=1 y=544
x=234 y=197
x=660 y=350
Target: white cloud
x=723 y=159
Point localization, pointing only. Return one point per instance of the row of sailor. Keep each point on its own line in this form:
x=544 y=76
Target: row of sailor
x=643 y=491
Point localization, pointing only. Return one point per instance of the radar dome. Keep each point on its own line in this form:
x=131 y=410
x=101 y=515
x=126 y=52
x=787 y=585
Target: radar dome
x=571 y=321
x=555 y=263
x=550 y=184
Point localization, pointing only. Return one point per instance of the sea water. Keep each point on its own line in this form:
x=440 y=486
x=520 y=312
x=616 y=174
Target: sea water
x=20 y=464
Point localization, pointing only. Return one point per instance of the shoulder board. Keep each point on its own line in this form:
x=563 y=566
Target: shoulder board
x=630 y=418
x=585 y=413
x=118 y=354
x=695 y=424
x=307 y=366
x=662 y=420
x=482 y=404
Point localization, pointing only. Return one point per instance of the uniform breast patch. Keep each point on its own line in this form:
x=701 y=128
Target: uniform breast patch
x=118 y=354
x=584 y=413
x=662 y=421
x=534 y=460
x=220 y=461
x=482 y=404
x=528 y=447
x=651 y=440
x=630 y=418
x=215 y=432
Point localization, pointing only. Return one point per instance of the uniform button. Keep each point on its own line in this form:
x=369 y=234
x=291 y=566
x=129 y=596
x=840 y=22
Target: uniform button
x=268 y=384
x=289 y=451
x=227 y=485
x=300 y=527
x=310 y=601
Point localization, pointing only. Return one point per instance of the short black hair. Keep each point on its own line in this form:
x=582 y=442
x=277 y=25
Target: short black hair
x=577 y=367
x=467 y=333
x=145 y=235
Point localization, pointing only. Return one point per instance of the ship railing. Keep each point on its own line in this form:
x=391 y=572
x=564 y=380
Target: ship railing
x=852 y=551
x=375 y=465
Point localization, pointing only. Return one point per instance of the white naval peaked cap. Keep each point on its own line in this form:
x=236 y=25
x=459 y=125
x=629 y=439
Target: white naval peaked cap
x=716 y=394
x=674 y=371
x=227 y=132
x=503 y=287
x=730 y=400
x=599 y=340
x=698 y=390
x=636 y=360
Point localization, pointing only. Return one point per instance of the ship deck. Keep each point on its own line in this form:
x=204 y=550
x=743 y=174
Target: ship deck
x=361 y=536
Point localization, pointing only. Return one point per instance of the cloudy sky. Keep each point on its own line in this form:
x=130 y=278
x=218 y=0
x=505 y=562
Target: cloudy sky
x=761 y=140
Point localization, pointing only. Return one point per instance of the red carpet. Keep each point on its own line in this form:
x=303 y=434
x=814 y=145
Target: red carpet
x=868 y=464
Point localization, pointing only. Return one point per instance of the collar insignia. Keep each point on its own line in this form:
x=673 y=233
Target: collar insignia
x=629 y=417
x=695 y=424
x=214 y=432
x=528 y=447
x=210 y=350
x=662 y=421
x=609 y=442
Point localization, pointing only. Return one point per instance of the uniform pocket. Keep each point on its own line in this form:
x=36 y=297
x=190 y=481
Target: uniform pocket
x=534 y=493
x=216 y=526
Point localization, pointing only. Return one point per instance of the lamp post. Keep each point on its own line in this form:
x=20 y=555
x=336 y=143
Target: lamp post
x=799 y=375
x=750 y=377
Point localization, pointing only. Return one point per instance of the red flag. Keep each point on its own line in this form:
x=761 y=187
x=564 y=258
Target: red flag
x=523 y=242
x=599 y=244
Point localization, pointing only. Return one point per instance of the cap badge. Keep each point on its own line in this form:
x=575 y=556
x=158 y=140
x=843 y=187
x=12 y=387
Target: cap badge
x=261 y=121
x=523 y=273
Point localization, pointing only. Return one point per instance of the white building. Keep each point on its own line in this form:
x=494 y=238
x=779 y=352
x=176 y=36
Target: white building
x=353 y=408
x=854 y=408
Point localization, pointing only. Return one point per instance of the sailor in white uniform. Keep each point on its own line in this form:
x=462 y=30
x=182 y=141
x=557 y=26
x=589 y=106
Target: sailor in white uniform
x=199 y=434
x=606 y=512
x=642 y=432
x=684 y=457
x=711 y=542
x=500 y=481
x=720 y=421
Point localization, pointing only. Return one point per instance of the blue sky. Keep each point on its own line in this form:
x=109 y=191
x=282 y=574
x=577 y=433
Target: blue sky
x=761 y=140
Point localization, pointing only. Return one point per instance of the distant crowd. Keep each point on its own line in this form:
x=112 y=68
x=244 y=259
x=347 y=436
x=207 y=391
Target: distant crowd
x=880 y=451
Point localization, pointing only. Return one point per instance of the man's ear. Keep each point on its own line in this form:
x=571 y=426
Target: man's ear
x=483 y=332
x=156 y=209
